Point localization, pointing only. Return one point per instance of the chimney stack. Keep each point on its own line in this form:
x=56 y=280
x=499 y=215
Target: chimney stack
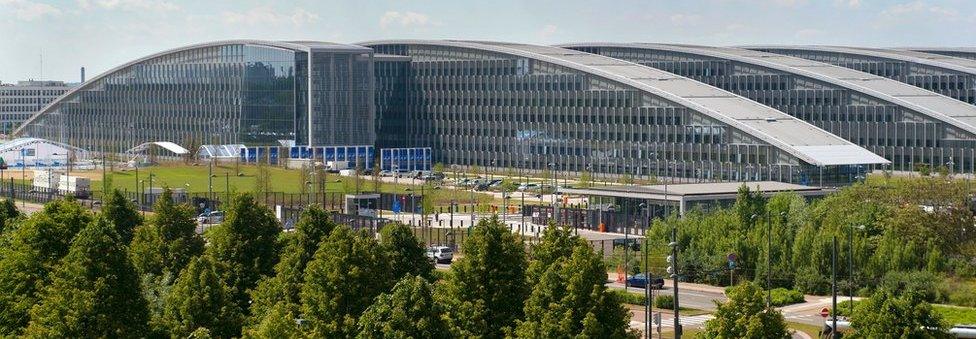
x=82 y=75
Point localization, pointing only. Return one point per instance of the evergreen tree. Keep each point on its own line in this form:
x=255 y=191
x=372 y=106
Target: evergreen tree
x=123 y=214
x=169 y=241
x=245 y=245
x=570 y=291
x=8 y=213
x=745 y=316
x=407 y=254
x=347 y=272
x=278 y=322
x=200 y=299
x=312 y=227
x=95 y=292
x=485 y=292
x=408 y=311
x=884 y=315
x=32 y=250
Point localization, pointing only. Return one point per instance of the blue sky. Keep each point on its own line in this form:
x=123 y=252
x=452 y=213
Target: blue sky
x=101 y=34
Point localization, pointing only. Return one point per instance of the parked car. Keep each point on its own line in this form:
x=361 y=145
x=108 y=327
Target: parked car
x=622 y=242
x=386 y=173
x=640 y=280
x=402 y=173
x=527 y=187
x=440 y=254
x=213 y=217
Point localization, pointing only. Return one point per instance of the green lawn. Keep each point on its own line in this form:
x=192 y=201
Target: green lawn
x=195 y=179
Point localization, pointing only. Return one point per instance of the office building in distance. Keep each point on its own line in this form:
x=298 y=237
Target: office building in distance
x=20 y=101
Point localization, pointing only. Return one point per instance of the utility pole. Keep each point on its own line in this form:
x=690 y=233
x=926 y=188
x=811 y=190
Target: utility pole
x=673 y=270
x=647 y=274
x=769 y=266
x=833 y=288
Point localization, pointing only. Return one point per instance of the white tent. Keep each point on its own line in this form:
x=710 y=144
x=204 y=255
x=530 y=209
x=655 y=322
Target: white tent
x=39 y=153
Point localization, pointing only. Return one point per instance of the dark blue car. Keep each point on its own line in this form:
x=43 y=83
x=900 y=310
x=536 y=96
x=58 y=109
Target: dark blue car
x=640 y=280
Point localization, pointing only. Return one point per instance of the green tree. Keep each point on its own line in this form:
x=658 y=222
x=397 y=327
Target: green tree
x=94 y=293
x=169 y=241
x=279 y=322
x=406 y=253
x=32 y=250
x=586 y=179
x=8 y=213
x=123 y=214
x=570 y=291
x=486 y=290
x=745 y=315
x=885 y=316
x=200 y=299
x=347 y=272
x=312 y=227
x=408 y=311
x=245 y=245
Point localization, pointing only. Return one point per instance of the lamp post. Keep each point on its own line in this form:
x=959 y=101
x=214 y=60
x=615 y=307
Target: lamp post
x=647 y=276
x=209 y=184
x=226 y=186
x=151 y=200
x=833 y=288
x=850 y=261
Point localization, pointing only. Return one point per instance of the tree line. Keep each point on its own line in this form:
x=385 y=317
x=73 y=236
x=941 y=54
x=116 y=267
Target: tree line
x=69 y=272
x=915 y=235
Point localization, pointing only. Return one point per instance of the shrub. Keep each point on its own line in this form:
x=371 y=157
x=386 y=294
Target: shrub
x=664 y=302
x=781 y=297
x=630 y=298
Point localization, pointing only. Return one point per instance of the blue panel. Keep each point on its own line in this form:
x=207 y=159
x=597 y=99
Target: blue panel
x=329 y=154
x=293 y=152
x=340 y=154
x=243 y=154
x=306 y=153
x=273 y=156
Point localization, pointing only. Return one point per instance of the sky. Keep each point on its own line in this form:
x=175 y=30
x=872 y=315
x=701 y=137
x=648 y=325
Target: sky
x=102 y=34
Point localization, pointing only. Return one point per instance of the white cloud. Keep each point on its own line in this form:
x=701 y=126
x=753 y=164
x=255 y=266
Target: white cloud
x=405 y=19
x=27 y=10
x=685 y=19
x=848 y=3
x=808 y=33
x=919 y=8
x=548 y=31
x=129 y=5
x=267 y=15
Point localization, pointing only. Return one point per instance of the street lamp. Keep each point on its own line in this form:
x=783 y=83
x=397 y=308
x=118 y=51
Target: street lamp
x=850 y=261
x=647 y=277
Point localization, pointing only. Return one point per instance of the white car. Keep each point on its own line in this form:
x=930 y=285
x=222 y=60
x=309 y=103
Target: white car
x=528 y=187
x=214 y=217
x=440 y=254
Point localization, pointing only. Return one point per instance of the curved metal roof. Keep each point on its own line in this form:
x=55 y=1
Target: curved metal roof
x=958 y=52
x=799 y=138
x=305 y=46
x=937 y=106
x=928 y=59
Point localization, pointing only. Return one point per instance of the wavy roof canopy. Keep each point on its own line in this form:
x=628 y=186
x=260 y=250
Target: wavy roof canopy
x=799 y=138
x=928 y=59
x=934 y=105
x=304 y=46
x=958 y=52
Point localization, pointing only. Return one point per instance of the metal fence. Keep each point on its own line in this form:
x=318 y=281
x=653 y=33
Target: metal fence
x=589 y=219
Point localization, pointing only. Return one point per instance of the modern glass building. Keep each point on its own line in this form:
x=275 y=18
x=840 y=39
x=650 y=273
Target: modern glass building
x=905 y=124
x=947 y=75
x=505 y=105
x=229 y=92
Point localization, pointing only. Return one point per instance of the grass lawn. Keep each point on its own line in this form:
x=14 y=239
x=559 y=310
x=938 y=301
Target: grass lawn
x=195 y=179
x=811 y=330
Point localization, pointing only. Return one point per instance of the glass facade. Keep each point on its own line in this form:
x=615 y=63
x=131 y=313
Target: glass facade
x=954 y=84
x=222 y=93
x=901 y=135
x=491 y=109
